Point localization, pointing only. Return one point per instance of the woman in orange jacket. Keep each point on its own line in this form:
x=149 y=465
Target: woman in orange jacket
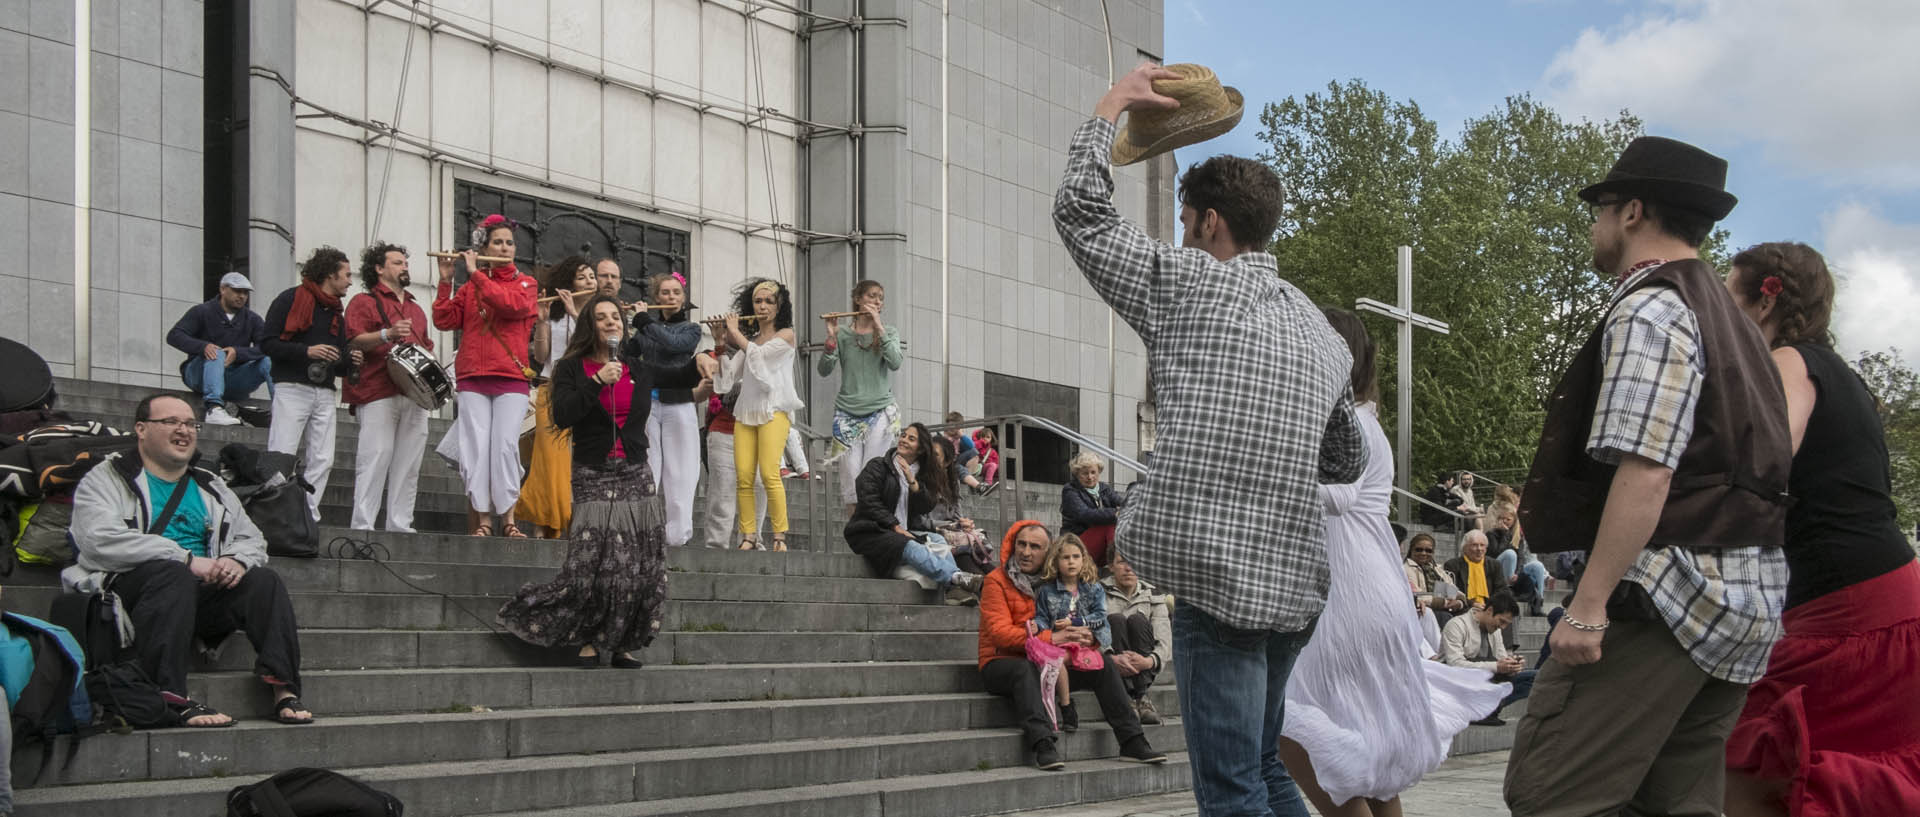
x=1006 y=608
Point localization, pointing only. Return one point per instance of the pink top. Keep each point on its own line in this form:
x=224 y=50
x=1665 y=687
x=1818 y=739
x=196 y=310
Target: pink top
x=617 y=399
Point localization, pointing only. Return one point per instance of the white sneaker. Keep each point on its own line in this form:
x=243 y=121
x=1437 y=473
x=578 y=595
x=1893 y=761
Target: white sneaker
x=218 y=416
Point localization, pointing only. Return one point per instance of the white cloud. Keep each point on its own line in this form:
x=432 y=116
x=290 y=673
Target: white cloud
x=1830 y=87
x=1877 y=264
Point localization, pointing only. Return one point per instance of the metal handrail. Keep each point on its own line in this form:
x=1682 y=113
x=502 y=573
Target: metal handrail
x=1011 y=445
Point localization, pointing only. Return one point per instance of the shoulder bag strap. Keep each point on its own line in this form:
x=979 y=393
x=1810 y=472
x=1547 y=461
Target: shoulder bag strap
x=487 y=315
x=180 y=490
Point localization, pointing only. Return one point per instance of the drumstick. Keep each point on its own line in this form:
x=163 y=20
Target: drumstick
x=491 y=259
x=576 y=293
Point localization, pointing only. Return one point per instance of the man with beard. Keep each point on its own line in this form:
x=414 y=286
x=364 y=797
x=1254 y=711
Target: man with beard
x=393 y=429
x=1665 y=454
x=307 y=339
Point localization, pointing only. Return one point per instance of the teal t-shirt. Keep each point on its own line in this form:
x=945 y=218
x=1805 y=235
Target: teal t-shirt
x=188 y=527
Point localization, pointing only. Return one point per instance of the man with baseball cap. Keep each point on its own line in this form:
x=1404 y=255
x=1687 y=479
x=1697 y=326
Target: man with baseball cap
x=222 y=341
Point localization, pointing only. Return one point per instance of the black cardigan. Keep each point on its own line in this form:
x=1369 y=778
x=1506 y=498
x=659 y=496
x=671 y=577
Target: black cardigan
x=870 y=532
x=576 y=406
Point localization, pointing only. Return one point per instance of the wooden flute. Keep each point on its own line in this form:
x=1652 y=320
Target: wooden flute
x=576 y=293
x=491 y=259
x=828 y=316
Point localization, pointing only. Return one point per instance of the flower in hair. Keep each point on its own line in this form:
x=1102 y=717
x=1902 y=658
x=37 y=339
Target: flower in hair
x=1771 y=285
x=681 y=278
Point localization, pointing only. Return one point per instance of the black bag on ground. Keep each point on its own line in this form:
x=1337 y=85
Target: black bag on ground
x=311 y=793
x=126 y=695
x=270 y=487
x=93 y=621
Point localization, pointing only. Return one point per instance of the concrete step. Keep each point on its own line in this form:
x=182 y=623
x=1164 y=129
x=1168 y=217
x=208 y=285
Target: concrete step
x=263 y=747
x=399 y=649
x=459 y=548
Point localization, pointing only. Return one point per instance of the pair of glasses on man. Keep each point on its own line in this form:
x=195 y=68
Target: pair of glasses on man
x=174 y=422
x=1594 y=207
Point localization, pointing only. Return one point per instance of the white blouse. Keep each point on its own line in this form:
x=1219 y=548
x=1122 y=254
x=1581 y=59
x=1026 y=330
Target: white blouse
x=560 y=331
x=764 y=373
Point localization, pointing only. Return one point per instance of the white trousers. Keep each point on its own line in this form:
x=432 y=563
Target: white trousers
x=393 y=436
x=797 y=452
x=305 y=413
x=880 y=436
x=673 y=452
x=489 y=431
x=722 y=493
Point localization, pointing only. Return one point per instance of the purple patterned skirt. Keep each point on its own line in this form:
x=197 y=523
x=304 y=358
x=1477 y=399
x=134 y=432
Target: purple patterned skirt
x=613 y=586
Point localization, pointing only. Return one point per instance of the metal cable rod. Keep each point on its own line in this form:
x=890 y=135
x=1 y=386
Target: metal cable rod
x=399 y=99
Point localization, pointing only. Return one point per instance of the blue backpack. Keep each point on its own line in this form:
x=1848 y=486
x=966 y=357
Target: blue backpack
x=41 y=667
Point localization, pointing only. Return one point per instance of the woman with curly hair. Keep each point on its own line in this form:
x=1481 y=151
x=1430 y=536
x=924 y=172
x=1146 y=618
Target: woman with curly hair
x=763 y=369
x=1831 y=728
x=546 y=499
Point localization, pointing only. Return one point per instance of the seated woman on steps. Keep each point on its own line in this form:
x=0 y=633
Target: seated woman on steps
x=610 y=592
x=893 y=495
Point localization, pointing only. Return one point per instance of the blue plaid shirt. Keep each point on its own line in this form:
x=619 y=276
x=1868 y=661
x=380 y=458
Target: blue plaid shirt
x=1254 y=410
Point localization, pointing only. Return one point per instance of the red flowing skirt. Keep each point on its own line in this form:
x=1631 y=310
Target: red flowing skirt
x=1838 y=712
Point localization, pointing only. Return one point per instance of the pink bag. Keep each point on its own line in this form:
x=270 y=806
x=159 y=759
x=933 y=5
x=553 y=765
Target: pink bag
x=1085 y=659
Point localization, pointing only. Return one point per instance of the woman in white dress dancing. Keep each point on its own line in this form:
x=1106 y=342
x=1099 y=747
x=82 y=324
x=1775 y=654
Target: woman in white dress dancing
x=1366 y=714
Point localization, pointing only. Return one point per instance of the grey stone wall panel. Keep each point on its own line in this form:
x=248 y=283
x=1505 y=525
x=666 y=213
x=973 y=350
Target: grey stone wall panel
x=13 y=71
x=50 y=154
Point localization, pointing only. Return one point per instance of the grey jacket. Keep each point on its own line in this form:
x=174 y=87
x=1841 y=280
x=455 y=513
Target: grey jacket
x=1143 y=601
x=112 y=511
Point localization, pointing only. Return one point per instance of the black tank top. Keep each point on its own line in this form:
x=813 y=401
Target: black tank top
x=1841 y=529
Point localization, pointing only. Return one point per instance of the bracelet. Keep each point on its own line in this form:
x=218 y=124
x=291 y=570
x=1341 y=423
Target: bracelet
x=1582 y=626
x=383 y=335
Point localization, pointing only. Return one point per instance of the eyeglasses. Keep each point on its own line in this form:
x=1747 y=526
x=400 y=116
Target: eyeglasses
x=175 y=422
x=1594 y=207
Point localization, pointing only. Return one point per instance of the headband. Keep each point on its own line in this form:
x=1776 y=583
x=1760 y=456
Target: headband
x=766 y=286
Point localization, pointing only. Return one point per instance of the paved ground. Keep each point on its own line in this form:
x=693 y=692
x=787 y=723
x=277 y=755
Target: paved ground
x=1468 y=784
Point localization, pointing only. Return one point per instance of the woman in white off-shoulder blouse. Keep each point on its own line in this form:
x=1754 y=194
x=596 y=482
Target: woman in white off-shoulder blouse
x=763 y=369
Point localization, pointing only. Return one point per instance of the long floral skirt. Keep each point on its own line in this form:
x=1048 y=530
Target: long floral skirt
x=613 y=586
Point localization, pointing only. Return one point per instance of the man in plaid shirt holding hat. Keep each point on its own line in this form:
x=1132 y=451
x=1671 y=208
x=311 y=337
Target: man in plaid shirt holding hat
x=1254 y=411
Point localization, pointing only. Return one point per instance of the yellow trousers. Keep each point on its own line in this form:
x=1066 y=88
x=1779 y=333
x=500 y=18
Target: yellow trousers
x=757 y=450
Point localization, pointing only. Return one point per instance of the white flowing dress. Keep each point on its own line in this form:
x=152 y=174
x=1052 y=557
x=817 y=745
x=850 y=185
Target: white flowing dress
x=1372 y=712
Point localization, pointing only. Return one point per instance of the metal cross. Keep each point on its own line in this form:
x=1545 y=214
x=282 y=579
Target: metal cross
x=1404 y=315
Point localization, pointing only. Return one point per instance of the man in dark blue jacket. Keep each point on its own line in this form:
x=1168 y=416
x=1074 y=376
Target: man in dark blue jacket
x=222 y=340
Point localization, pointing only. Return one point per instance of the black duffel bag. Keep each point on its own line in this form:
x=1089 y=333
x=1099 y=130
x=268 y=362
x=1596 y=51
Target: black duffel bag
x=311 y=793
x=274 y=494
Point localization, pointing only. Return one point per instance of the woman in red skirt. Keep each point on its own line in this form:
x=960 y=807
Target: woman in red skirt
x=1833 y=728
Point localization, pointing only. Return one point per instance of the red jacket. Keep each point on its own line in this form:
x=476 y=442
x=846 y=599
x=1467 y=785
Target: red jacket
x=363 y=316
x=511 y=299
x=1004 y=610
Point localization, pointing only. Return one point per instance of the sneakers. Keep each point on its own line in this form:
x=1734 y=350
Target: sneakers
x=984 y=488
x=969 y=582
x=1139 y=749
x=1144 y=708
x=1069 y=718
x=1046 y=757
x=218 y=416
x=958 y=597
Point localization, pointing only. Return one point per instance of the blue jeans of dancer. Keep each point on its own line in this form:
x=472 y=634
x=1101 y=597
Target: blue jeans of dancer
x=1233 y=694
x=217 y=384
x=938 y=567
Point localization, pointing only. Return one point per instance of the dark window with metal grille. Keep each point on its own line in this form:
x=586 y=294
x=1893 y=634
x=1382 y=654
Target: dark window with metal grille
x=549 y=231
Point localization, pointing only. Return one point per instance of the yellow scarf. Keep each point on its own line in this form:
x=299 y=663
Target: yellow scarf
x=1477 y=580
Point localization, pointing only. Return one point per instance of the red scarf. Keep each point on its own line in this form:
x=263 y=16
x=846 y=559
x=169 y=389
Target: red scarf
x=300 y=317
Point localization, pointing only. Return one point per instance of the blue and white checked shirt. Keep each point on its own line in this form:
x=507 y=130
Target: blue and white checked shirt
x=1722 y=604
x=1254 y=410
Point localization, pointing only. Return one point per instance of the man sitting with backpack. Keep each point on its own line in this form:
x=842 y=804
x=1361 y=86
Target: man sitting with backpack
x=183 y=563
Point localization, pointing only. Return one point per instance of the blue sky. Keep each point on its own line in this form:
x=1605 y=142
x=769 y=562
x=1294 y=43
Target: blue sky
x=1813 y=104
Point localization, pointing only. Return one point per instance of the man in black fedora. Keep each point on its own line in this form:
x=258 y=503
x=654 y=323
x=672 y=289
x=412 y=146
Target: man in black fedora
x=1664 y=456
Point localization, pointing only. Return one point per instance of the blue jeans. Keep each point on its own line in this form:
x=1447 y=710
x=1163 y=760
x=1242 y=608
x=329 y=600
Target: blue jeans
x=939 y=568
x=216 y=384
x=1233 y=693
x=1509 y=562
x=1522 y=682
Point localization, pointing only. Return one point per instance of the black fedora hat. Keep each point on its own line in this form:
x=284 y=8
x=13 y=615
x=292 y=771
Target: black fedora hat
x=1670 y=172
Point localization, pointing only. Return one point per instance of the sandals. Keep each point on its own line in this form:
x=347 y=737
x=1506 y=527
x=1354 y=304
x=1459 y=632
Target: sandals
x=191 y=709
x=779 y=543
x=483 y=529
x=751 y=541
x=291 y=703
x=514 y=532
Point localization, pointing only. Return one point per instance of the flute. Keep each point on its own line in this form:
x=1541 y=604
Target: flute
x=491 y=259
x=576 y=293
x=829 y=316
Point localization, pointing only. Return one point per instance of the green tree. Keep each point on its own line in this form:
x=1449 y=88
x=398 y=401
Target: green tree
x=1897 y=388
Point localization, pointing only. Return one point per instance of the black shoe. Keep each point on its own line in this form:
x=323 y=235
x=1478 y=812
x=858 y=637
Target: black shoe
x=1490 y=720
x=626 y=661
x=1139 y=749
x=1046 y=758
x=589 y=661
x=1069 y=719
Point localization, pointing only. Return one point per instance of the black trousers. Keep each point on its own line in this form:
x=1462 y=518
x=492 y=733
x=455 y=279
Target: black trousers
x=1134 y=633
x=170 y=607
x=1019 y=679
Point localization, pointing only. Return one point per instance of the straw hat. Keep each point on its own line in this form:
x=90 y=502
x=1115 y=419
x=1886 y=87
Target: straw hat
x=1207 y=109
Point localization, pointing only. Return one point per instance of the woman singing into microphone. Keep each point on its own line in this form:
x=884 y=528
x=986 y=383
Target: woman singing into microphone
x=546 y=499
x=495 y=312
x=763 y=368
x=610 y=592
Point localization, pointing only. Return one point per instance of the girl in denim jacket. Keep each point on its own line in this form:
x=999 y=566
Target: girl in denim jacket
x=1072 y=597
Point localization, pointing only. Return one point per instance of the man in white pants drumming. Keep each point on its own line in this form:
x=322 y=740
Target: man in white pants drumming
x=306 y=337
x=393 y=429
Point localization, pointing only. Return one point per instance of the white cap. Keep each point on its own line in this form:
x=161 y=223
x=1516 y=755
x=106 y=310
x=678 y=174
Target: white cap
x=235 y=280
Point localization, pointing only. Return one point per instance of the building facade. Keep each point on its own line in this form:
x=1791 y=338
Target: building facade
x=820 y=143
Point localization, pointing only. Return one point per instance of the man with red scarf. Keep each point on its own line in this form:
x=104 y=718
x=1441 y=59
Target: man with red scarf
x=307 y=339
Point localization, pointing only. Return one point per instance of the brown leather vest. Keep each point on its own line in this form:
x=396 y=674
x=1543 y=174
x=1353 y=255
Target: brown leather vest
x=1730 y=488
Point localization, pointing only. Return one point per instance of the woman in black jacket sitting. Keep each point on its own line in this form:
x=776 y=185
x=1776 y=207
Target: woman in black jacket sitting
x=890 y=496
x=1089 y=508
x=610 y=591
